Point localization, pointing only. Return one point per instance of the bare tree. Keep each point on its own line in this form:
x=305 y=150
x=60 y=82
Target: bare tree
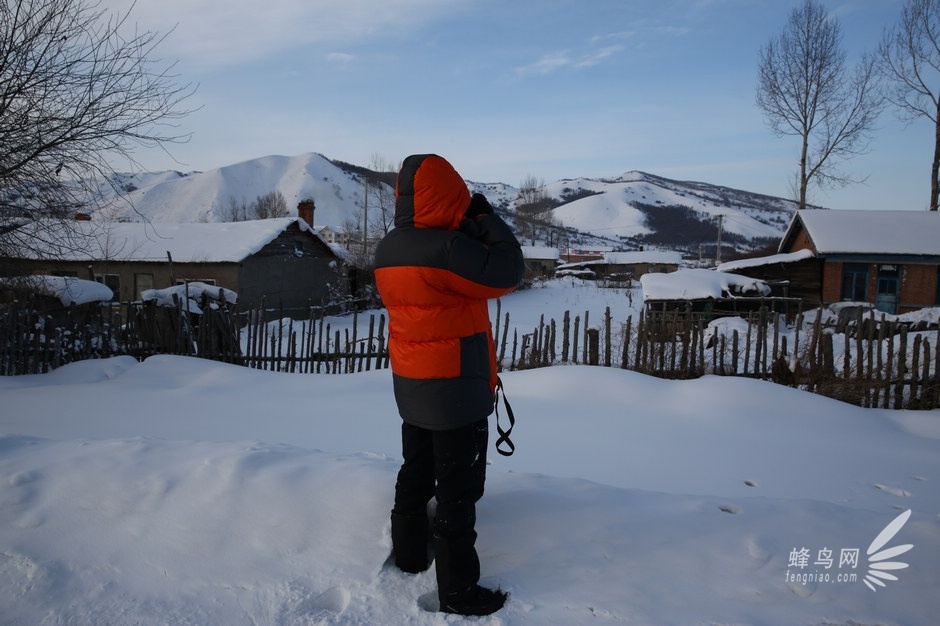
x=79 y=90
x=380 y=195
x=909 y=57
x=232 y=210
x=533 y=197
x=264 y=207
x=269 y=206
x=804 y=90
x=534 y=209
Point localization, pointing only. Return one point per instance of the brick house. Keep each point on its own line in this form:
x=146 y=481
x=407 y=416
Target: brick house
x=890 y=259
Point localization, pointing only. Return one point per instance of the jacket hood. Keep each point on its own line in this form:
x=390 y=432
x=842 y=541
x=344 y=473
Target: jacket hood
x=430 y=193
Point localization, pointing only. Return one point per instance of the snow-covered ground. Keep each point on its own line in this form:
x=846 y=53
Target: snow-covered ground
x=180 y=491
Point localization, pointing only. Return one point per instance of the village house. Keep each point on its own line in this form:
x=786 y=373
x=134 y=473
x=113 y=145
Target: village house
x=333 y=236
x=889 y=259
x=280 y=261
x=795 y=275
x=624 y=266
x=540 y=261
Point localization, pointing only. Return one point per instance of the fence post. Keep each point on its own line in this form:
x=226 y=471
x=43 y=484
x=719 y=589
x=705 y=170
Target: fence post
x=902 y=369
x=565 y=337
x=593 y=346
x=574 y=351
x=625 y=356
x=584 y=356
x=607 y=337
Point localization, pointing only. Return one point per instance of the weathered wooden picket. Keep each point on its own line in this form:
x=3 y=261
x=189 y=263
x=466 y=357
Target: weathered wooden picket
x=867 y=361
x=877 y=363
x=313 y=346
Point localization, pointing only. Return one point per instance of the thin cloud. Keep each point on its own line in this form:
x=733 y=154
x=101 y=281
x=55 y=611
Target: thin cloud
x=340 y=58
x=597 y=57
x=220 y=35
x=546 y=65
x=555 y=61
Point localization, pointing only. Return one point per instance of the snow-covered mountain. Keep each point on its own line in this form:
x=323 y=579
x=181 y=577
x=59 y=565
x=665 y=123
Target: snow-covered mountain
x=633 y=210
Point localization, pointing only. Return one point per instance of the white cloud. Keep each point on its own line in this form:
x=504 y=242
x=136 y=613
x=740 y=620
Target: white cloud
x=546 y=65
x=554 y=61
x=340 y=58
x=214 y=34
x=597 y=57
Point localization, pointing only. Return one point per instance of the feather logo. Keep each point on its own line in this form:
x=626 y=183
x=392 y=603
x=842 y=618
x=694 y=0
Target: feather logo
x=878 y=563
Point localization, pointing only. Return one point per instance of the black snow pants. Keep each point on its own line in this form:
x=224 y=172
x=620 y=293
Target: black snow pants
x=449 y=465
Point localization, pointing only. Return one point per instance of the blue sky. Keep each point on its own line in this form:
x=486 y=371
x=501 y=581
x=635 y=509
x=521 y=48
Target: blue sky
x=508 y=89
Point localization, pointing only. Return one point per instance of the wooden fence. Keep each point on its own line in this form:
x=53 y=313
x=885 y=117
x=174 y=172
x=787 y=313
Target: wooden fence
x=36 y=338
x=867 y=361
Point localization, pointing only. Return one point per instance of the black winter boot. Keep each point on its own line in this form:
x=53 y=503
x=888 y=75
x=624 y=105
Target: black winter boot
x=458 y=570
x=476 y=600
x=410 y=542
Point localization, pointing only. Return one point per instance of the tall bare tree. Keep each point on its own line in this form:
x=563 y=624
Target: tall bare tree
x=80 y=89
x=805 y=91
x=534 y=210
x=380 y=194
x=909 y=57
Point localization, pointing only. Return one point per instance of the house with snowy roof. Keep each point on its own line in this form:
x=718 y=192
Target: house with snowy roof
x=796 y=275
x=889 y=259
x=280 y=261
x=624 y=266
x=540 y=260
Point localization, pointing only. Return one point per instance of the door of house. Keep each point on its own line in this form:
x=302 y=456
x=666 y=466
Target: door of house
x=889 y=286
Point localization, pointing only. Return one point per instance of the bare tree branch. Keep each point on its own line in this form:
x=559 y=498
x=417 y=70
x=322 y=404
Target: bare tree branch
x=805 y=91
x=80 y=88
x=909 y=57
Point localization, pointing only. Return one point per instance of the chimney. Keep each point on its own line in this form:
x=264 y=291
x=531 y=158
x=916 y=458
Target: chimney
x=305 y=209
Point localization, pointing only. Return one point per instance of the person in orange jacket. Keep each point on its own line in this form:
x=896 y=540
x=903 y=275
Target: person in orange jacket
x=448 y=254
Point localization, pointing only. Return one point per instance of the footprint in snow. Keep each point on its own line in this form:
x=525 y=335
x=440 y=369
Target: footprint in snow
x=902 y=493
x=334 y=600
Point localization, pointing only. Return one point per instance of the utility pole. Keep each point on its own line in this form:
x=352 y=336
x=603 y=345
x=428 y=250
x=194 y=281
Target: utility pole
x=365 y=216
x=718 y=254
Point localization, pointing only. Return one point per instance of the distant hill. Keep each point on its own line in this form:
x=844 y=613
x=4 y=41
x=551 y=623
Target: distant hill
x=632 y=211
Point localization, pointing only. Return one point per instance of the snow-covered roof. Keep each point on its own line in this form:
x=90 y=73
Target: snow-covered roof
x=189 y=295
x=539 y=252
x=655 y=257
x=786 y=257
x=215 y=242
x=869 y=232
x=67 y=289
x=697 y=284
x=659 y=257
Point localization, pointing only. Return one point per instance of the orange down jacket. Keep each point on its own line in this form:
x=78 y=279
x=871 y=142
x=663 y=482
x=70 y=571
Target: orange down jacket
x=435 y=272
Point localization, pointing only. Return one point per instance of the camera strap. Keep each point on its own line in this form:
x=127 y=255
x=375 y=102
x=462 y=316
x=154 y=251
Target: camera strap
x=504 y=434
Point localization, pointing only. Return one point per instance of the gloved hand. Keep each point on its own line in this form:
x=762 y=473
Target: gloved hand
x=479 y=205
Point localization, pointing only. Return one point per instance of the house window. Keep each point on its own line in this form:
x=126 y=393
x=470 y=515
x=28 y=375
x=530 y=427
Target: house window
x=113 y=282
x=855 y=282
x=142 y=282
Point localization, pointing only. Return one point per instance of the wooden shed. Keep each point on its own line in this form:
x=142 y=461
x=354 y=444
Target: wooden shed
x=789 y=275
